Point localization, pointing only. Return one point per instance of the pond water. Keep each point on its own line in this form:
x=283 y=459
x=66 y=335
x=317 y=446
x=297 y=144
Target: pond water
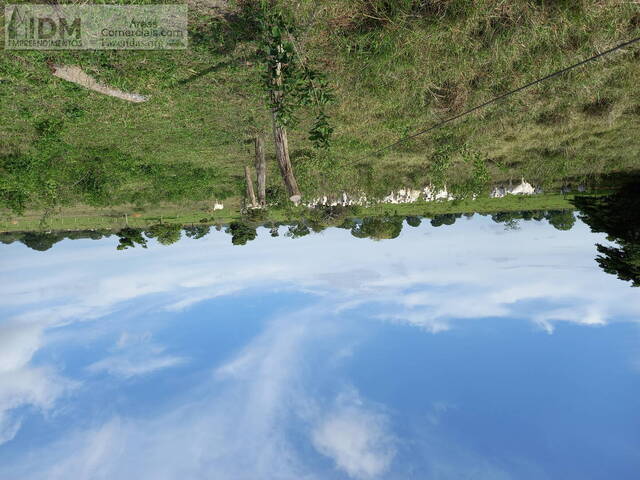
x=467 y=351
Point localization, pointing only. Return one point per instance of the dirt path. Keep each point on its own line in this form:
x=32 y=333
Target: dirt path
x=76 y=75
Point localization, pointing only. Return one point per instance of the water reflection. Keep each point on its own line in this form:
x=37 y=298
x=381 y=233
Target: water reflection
x=466 y=351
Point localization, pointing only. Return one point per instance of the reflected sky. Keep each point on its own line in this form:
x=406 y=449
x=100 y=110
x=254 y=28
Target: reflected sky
x=465 y=351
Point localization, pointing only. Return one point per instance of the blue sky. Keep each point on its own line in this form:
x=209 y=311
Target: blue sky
x=456 y=352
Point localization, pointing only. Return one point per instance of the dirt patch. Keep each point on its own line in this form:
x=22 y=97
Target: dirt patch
x=550 y=117
x=599 y=107
x=218 y=8
x=634 y=110
x=76 y=75
x=451 y=96
x=634 y=23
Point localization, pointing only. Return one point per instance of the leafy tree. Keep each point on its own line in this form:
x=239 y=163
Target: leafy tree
x=478 y=182
x=9 y=237
x=348 y=224
x=41 y=241
x=444 y=219
x=561 y=219
x=512 y=225
x=538 y=215
x=289 y=80
x=413 y=221
x=623 y=262
x=378 y=228
x=315 y=225
x=165 y=233
x=297 y=230
x=504 y=217
x=274 y=229
x=130 y=237
x=197 y=231
x=91 y=234
x=527 y=215
x=617 y=215
x=241 y=233
x=439 y=167
x=290 y=83
x=511 y=219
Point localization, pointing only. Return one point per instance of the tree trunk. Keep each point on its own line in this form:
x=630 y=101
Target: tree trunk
x=282 y=154
x=261 y=171
x=251 y=196
x=280 y=137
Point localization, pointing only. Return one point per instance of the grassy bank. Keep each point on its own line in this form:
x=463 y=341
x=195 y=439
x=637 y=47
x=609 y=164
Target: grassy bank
x=395 y=67
x=114 y=219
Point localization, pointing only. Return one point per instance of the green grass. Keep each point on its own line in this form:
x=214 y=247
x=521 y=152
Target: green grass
x=396 y=67
x=116 y=218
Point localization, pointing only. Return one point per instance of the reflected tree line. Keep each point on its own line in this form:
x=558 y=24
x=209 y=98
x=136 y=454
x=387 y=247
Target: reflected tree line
x=376 y=228
x=390 y=226
x=617 y=215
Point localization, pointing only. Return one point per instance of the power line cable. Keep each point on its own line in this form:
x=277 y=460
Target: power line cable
x=500 y=97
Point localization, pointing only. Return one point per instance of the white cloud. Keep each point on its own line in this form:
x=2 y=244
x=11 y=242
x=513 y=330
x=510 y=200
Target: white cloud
x=22 y=384
x=431 y=282
x=128 y=338
x=136 y=355
x=422 y=319
x=128 y=366
x=8 y=427
x=18 y=343
x=231 y=426
x=238 y=424
x=535 y=263
x=356 y=438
